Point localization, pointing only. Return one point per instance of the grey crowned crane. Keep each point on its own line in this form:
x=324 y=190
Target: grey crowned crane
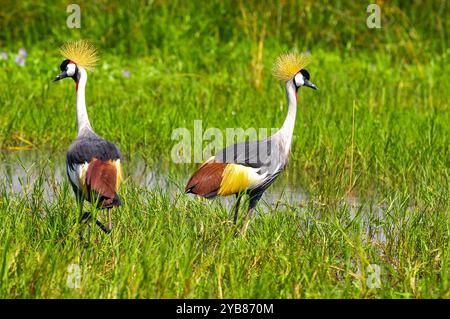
x=252 y=166
x=93 y=163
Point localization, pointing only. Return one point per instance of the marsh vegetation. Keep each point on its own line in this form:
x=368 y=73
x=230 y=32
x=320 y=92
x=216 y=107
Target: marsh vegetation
x=367 y=182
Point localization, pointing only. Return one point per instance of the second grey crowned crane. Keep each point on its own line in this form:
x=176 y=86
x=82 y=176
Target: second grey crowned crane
x=93 y=163
x=251 y=167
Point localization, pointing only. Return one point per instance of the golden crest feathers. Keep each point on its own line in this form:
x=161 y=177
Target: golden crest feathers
x=288 y=64
x=82 y=52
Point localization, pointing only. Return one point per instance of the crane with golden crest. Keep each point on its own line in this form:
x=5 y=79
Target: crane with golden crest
x=93 y=163
x=252 y=166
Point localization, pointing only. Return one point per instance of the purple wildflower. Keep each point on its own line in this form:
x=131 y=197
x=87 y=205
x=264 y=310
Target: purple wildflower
x=126 y=73
x=4 y=55
x=20 y=61
x=23 y=53
x=20 y=58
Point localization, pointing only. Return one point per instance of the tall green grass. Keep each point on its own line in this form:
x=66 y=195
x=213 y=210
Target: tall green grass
x=185 y=248
x=370 y=149
x=401 y=118
x=191 y=28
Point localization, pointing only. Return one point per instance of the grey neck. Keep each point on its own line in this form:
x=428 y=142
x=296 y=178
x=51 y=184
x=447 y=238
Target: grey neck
x=83 y=124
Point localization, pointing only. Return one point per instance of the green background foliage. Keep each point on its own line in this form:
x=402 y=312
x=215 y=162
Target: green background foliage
x=380 y=197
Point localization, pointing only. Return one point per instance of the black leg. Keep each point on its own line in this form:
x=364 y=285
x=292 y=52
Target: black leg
x=80 y=206
x=236 y=207
x=87 y=215
x=103 y=227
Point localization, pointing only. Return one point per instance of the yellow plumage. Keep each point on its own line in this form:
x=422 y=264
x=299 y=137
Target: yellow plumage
x=289 y=64
x=119 y=174
x=82 y=52
x=82 y=178
x=237 y=178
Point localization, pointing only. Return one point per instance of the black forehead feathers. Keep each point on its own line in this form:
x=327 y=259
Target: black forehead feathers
x=305 y=73
x=63 y=65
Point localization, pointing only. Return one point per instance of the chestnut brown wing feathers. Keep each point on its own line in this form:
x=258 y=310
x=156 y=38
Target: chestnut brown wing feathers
x=101 y=178
x=206 y=181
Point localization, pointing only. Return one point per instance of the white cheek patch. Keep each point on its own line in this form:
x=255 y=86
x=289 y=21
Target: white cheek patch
x=299 y=79
x=70 y=69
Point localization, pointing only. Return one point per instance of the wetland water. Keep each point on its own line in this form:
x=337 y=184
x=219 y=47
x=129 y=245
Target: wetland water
x=24 y=172
x=21 y=171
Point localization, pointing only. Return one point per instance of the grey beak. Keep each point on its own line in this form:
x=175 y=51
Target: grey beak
x=309 y=84
x=60 y=76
